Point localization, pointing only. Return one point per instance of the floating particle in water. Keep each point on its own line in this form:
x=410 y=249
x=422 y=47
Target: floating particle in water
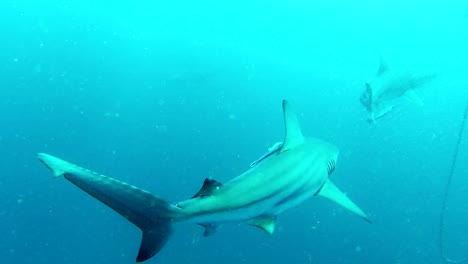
x=357 y=249
x=20 y=199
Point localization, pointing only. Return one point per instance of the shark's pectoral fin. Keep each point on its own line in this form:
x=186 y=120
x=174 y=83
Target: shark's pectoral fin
x=414 y=97
x=293 y=134
x=381 y=110
x=210 y=229
x=208 y=187
x=330 y=191
x=264 y=222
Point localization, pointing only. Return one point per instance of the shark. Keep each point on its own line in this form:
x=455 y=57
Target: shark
x=383 y=91
x=291 y=172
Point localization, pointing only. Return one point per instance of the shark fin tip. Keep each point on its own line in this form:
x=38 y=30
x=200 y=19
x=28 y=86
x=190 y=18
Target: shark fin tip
x=330 y=191
x=367 y=219
x=265 y=223
x=56 y=165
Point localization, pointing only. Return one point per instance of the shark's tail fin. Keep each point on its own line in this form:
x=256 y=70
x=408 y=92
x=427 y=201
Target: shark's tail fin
x=151 y=214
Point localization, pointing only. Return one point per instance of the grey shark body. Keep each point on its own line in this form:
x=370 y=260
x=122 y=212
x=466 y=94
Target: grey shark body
x=293 y=172
x=388 y=86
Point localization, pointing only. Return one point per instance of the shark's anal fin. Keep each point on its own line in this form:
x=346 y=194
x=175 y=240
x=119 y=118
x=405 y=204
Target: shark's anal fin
x=414 y=97
x=330 y=191
x=209 y=186
x=293 y=134
x=266 y=223
x=210 y=229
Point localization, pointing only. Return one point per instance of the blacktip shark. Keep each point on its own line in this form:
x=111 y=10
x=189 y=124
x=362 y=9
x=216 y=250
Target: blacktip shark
x=292 y=172
x=387 y=86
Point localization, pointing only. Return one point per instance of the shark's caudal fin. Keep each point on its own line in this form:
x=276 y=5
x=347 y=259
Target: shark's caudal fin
x=330 y=191
x=293 y=134
x=150 y=213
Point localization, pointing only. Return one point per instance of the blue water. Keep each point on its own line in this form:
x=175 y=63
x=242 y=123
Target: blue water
x=163 y=95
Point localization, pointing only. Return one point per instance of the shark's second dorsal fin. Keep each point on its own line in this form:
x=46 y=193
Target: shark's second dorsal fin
x=209 y=185
x=383 y=66
x=293 y=134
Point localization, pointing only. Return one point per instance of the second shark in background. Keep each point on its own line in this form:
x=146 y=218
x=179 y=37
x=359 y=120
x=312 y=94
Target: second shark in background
x=383 y=91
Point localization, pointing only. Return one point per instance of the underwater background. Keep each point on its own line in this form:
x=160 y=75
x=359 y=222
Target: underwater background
x=162 y=94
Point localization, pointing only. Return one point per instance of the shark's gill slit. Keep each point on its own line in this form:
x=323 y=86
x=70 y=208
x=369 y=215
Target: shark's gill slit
x=331 y=166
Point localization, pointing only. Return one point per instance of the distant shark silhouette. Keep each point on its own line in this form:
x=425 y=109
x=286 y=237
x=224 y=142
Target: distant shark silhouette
x=292 y=172
x=388 y=86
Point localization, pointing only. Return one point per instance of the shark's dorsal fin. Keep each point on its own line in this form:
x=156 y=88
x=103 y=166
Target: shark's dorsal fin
x=383 y=66
x=330 y=191
x=293 y=134
x=209 y=185
x=264 y=222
